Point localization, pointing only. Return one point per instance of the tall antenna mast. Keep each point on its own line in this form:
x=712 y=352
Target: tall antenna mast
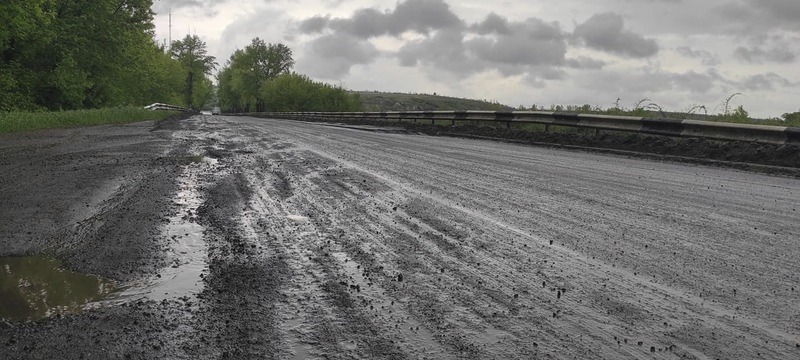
x=170 y=28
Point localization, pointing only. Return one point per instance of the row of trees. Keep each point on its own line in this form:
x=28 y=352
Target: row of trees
x=68 y=54
x=73 y=54
x=259 y=78
x=295 y=92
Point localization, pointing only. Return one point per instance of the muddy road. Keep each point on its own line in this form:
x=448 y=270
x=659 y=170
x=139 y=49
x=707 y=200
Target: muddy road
x=241 y=238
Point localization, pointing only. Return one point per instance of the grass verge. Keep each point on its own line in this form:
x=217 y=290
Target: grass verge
x=24 y=121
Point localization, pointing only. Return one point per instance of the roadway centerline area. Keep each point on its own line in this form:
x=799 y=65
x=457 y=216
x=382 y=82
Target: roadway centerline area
x=330 y=242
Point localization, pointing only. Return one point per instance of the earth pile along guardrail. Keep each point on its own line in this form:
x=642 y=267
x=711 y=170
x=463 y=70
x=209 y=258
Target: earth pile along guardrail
x=655 y=126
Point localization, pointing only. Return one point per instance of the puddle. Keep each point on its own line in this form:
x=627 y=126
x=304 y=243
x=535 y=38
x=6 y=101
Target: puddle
x=188 y=250
x=36 y=287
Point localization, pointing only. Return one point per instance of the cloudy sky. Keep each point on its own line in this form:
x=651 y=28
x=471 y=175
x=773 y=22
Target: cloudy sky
x=679 y=53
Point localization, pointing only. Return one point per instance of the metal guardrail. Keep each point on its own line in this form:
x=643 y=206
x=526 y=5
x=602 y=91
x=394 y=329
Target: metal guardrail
x=159 y=106
x=654 y=126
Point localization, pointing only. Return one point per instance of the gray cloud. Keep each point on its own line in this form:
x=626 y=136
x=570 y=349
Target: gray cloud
x=240 y=33
x=645 y=82
x=445 y=51
x=538 y=76
x=493 y=24
x=529 y=43
x=759 y=55
x=768 y=81
x=421 y=16
x=606 y=32
x=332 y=56
x=585 y=63
x=532 y=46
x=701 y=86
x=314 y=24
x=760 y=15
x=164 y=6
x=708 y=58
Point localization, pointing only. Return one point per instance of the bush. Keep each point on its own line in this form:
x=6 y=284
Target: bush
x=295 y=92
x=792 y=118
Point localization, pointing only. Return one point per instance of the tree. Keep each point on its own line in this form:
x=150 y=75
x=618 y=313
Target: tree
x=792 y=118
x=228 y=96
x=191 y=53
x=68 y=54
x=247 y=70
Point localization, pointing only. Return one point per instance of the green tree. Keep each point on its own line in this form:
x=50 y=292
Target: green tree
x=247 y=70
x=192 y=54
x=792 y=118
x=739 y=115
x=202 y=93
x=67 y=54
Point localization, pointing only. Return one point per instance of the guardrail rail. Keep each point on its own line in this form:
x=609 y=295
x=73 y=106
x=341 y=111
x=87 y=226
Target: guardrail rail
x=159 y=106
x=655 y=126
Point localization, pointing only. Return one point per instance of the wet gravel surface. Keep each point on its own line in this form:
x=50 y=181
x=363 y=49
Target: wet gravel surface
x=329 y=242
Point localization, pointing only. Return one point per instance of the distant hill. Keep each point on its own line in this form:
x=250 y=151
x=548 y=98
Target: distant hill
x=380 y=101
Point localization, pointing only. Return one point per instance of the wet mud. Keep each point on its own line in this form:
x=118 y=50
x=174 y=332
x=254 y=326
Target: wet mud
x=254 y=238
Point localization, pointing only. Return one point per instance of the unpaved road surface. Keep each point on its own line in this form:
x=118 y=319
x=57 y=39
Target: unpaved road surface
x=241 y=238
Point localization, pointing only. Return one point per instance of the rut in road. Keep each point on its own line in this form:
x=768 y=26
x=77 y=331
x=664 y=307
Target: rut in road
x=333 y=243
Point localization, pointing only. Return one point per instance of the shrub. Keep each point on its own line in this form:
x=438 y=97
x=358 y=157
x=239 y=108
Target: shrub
x=295 y=92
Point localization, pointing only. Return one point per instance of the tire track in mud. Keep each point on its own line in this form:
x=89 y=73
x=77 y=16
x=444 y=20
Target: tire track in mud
x=615 y=297
x=426 y=298
x=330 y=317
x=238 y=315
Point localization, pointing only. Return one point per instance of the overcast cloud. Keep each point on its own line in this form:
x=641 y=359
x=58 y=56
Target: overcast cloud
x=676 y=52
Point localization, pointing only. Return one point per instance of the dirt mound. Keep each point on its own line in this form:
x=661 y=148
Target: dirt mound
x=691 y=148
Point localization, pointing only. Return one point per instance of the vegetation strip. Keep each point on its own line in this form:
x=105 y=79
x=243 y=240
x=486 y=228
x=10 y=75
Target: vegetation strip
x=25 y=121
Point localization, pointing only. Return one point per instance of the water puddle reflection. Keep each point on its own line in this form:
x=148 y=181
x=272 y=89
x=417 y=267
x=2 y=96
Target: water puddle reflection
x=188 y=250
x=37 y=287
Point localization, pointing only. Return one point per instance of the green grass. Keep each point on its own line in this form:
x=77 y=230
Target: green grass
x=24 y=121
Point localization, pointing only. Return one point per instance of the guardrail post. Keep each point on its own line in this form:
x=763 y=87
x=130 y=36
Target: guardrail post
x=547 y=128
